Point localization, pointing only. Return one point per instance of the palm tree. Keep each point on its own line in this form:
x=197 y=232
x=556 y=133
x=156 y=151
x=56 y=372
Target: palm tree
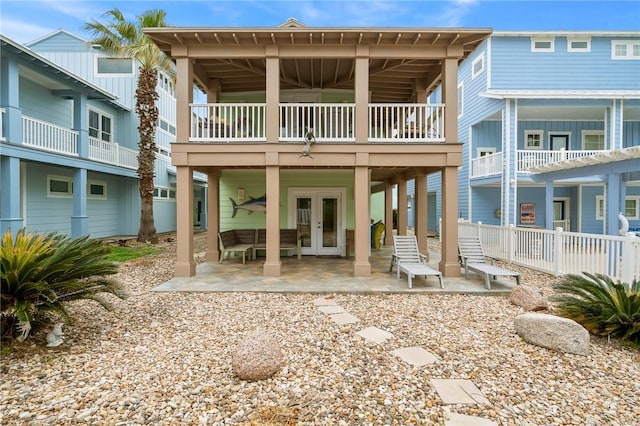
x=122 y=38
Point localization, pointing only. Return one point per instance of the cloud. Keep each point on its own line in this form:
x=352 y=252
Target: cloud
x=22 y=31
x=454 y=12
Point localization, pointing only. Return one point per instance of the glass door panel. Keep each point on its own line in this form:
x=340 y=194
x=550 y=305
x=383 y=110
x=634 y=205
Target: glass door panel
x=303 y=220
x=329 y=223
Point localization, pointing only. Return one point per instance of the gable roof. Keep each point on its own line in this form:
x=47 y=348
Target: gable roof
x=55 y=34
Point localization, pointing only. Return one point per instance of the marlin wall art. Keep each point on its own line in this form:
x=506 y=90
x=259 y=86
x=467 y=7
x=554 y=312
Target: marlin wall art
x=253 y=205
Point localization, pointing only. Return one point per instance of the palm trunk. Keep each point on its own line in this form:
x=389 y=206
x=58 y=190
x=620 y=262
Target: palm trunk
x=147 y=110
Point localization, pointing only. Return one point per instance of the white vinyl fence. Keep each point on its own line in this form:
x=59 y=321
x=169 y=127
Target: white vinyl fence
x=558 y=252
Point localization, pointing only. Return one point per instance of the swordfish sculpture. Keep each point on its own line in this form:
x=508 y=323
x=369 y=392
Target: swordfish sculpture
x=253 y=205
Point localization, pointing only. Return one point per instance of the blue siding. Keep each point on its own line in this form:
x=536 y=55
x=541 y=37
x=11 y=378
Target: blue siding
x=588 y=207
x=575 y=128
x=37 y=102
x=631 y=134
x=516 y=67
x=486 y=200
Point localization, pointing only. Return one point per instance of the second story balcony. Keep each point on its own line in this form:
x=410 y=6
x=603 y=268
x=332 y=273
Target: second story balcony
x=324 y=122
x=49 y=137
x=493 y=164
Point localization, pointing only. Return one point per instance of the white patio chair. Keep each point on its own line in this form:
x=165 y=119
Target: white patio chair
x=473 y=258
x=409 y=260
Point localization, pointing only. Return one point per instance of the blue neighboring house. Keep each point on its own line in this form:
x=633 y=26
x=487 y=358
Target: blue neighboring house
x=550 y=122
x=69 y=137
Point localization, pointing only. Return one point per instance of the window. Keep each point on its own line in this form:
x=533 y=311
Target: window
x=592 y=140
x=486 y=151
x=477 y=67
x=164 y=193
x=99 y=126
x=533 y=139
x=631 y=207
x=114 y=66
x=59 y=186
x=625 y=49
x=575 y=44
x=164 y=125
x=631 y=204
x=460 y=99
x=97 y=190
x=542 y=44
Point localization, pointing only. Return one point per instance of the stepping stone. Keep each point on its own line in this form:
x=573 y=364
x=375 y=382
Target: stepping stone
x=375 y=334
x=415 y=356
x=321 y=301
x=335 y=309
x=458 y=391
x=344 y=318
x=456 y=419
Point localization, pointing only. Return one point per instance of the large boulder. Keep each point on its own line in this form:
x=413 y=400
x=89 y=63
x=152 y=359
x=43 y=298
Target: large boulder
x=257 y=357
x=553 y=332
x=529 y=298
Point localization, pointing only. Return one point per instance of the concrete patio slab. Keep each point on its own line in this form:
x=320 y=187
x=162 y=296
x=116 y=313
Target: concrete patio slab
x=456 y=419
x=375 y=334
x=415 y=356
x=331 y=309
x=458 y=391
x=344 y=318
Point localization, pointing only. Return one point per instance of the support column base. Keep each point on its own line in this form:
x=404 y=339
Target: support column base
x=11 y=223
x=451 y=269
x=185 y=269
x=271 y=269
x=212 y=256
x=79 y=226
x=361 y=269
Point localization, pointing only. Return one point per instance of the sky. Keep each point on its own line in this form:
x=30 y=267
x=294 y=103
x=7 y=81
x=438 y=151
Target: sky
x=27 y=20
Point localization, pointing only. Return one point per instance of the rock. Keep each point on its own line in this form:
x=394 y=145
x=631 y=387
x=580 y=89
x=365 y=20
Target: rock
x=257 y=357
x=528 y=297
x=553 y=332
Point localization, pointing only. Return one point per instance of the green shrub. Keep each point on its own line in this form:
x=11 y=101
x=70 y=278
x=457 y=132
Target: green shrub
x=124 y=253
x=40 y=273
x=602 y=306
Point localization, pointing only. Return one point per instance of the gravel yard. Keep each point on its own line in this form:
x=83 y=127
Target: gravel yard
x=165 y=358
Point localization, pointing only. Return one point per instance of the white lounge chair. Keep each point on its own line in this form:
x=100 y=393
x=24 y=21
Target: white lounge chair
x=473 y=259
x=410 y=261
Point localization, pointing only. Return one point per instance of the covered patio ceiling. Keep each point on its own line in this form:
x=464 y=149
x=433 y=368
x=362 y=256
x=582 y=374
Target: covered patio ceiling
x=321 y=58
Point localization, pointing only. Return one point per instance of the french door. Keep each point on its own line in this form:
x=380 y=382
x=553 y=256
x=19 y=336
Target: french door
x=318 y=214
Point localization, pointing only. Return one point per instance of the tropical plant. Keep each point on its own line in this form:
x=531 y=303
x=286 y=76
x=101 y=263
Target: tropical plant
x=40 y=273
x=125 y=39
x=602 y=306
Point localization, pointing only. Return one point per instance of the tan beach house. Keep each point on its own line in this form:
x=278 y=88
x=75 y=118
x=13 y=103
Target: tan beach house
x=319 y=121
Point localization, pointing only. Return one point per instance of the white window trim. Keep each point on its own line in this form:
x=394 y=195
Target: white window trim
x=101 y=74
x=101 y=114
x=168 y=190
x=589 y=133
x=91 y=196
x=68 y=194
x=600 y=200
x=480 y=59
x=460 y=99
x=526 y=139
x=570 y=40
x=629 y=55
x=535 y=39
x=487 y=150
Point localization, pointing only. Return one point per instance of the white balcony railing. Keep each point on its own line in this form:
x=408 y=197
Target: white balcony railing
x=327 y=122
x=49 y=137
x=533 y=158
x=1 y=120
x=487 y=165
x=221 y=122
x=406 y=123
x=227 y=122
x=112 y=153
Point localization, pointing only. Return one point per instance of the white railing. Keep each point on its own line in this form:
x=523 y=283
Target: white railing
x=487 y=165
x=49 y=137
x=112 y=153
x=326 y=122
x=228 y=122
x=565 y=224
x=558 y=252
x=406 y=123
x=2 y=137
x=221 y=122
x=533 y=158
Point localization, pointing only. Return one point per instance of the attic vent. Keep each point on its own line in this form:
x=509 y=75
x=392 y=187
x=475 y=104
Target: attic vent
x=292 y=23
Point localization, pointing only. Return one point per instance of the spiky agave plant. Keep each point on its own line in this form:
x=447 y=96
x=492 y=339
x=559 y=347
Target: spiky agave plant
x=40 y=273
x=602 y=306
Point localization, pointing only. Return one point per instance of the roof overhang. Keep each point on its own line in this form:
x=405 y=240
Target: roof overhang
x=561 y=94
x=400 y=59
